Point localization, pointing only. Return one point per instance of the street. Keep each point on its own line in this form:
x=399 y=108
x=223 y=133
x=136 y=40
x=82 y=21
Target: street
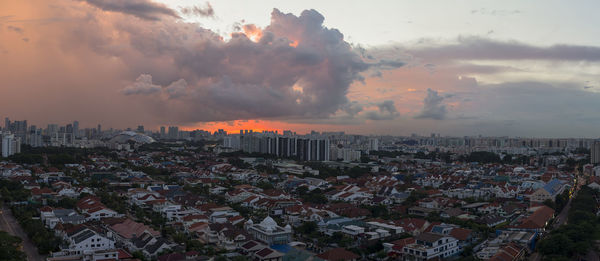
x=563 y=215
x=9 y=224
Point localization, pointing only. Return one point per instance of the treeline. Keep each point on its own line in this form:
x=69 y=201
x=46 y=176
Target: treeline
x=240 y=153
x=42 y=237
x=386 y=153
x=435 y=156
x=13 y=191
x=325 y=171
x=486 y=157
x=57 y=155
x=9 y=248
x=577 y=237
x=314 y=196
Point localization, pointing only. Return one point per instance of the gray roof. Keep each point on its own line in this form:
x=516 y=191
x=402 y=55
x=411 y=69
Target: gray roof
x=154 y=247
x=83 y=236
x=68 y=216
x=430 y=237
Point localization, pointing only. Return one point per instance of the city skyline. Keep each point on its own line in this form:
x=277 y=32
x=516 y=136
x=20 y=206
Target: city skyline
x=74 y=128
x=474 y=68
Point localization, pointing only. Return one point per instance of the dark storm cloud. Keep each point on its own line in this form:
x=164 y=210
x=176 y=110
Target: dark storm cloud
x=476 y=48
x=206 y=11
x=433 y=106
x=352 y=108
x=143 y=9
x=389 y=64
x=165 y=70
x=296 y=68
x=387 y=111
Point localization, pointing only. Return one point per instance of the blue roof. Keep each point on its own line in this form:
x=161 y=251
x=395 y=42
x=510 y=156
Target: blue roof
x=173 y=187
x=155 y=188
x=553 y=186
x=437 y=229
x=281 y=248
x=335 y=220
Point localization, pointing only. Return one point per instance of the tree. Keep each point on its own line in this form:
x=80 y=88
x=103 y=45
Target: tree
x=307 y=228
x=482 y=157
x=139 y=255
x=315 y=196
x=550 y=204
x=265 y=185
x=9 y=247
x=576 y=237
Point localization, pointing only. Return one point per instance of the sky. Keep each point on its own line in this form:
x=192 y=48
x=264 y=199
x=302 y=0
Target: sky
x=496 y=68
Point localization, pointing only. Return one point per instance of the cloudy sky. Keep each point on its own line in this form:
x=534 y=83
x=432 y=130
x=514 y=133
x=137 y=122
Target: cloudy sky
x=509 y=68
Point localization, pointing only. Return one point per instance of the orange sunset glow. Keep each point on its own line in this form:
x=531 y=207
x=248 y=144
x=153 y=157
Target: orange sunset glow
x=262 y=125
x=159 y=63
x=252 y=32
x=271 y=130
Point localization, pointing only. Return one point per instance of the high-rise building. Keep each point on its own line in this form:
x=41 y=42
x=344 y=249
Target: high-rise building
x=10 y=145
x=35 y=137
x=19 y=128
x=374 y=144
x=163 y=132
x=52 y=130
x=595 y=152
x=140 y=129
x=76 y=129
x=173 y=132
x=312 y=149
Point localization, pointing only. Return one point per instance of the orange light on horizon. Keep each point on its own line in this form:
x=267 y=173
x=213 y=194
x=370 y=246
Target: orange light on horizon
x=234 y=127
x=294 y=44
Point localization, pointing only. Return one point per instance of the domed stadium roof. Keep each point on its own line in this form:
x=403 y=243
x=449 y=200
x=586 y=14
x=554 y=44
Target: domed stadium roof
x=126 y=136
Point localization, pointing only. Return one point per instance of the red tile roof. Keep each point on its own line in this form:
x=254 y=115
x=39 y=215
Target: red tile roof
x=338 y=254
x=129 y=227
x=461 y=234
x=538 y=218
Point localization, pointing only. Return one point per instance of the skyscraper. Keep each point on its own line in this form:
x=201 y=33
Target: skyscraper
x=52 y=130
x=163 y=133
x=76 y=129
x=173 y=132
x=10 y=145
x=595 y=152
